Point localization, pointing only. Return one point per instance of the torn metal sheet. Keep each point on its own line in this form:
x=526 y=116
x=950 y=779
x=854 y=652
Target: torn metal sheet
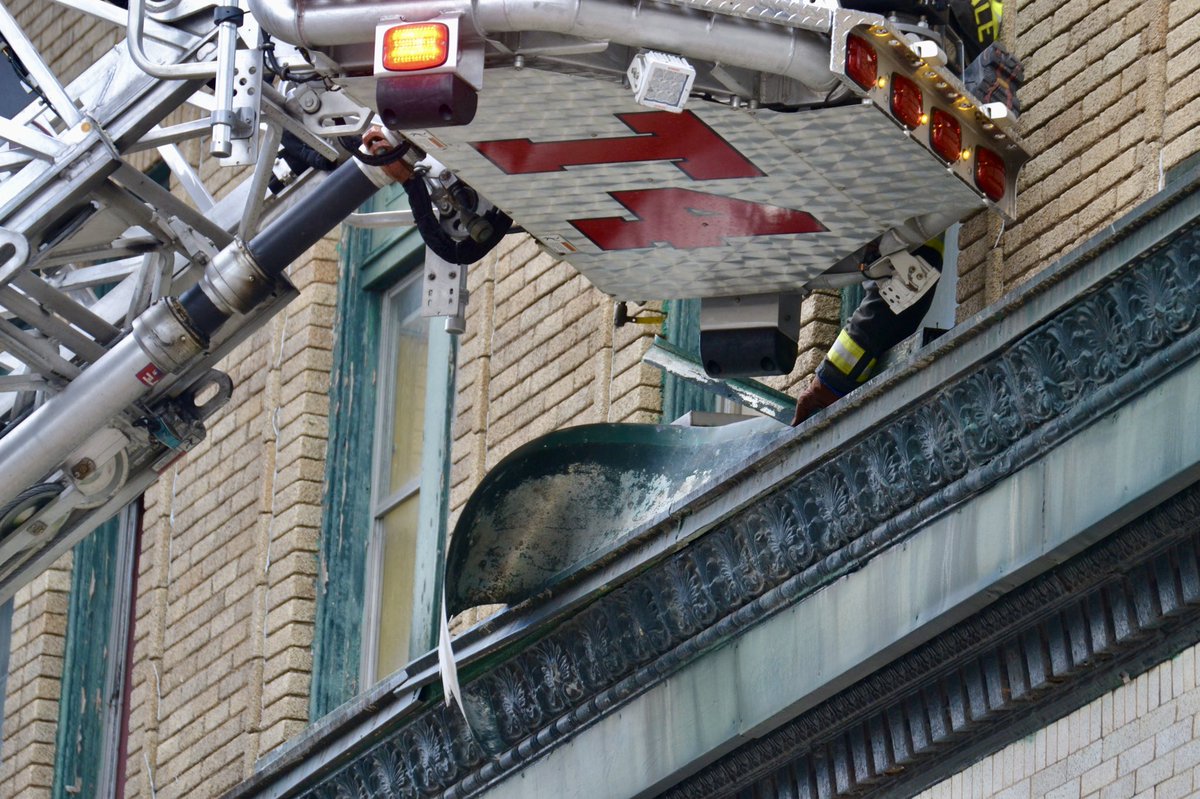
x=561 y=502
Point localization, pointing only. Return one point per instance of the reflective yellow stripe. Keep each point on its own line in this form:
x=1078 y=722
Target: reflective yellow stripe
x=866 y=372
x=937 y=244
x=987 y=19
x=851 y=346
x=845 y=353
x=837 y=360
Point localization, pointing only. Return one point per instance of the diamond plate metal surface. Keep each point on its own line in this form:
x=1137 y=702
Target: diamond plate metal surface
x=805 y=14
x=851 y=167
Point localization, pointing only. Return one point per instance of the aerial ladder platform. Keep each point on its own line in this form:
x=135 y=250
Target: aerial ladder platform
x=742 y=153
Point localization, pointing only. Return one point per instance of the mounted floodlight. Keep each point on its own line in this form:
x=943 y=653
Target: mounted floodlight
x=660 y=80
x=750 y=335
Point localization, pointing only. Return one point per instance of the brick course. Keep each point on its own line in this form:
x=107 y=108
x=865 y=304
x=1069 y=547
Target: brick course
x=1141 y=738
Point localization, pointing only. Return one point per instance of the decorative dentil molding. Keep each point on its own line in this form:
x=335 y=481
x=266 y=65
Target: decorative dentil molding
x=1121 y=337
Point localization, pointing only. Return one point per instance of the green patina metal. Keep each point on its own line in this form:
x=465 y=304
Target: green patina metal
x=849 y=298
x=559 y=504
x=80 y=740
x=682 y=328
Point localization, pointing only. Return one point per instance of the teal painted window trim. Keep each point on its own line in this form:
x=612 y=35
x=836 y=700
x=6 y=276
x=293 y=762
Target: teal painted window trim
x=850 y=297
x=373 y=261
x=93 y=677
x=682 y=328
x=347 y=505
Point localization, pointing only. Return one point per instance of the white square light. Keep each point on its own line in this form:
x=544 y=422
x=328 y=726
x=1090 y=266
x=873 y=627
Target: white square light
x=660 y=80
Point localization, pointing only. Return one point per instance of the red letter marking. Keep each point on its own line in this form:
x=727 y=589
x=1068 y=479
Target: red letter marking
x=689 y=220
x=683 y=139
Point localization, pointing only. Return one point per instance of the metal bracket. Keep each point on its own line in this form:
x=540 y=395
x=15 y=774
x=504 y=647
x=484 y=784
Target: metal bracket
x=445 y=291
x=234 y=281
x=162 y=334
x=14 y=253
x=335 y=113
x=912 y=277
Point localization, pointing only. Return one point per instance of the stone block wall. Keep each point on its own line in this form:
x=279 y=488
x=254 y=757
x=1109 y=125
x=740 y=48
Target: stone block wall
x=1110 y=105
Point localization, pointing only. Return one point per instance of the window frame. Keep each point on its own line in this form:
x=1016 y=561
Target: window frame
x=89 y=735
x=430 y=484
x=373 y=262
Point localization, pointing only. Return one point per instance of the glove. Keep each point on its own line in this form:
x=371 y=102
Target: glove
x=816 y=396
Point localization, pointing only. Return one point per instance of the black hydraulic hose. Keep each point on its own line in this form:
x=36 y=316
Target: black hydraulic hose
x=383 y=159
x=299 y=156
x=456 y=251
x=301 y=226
x=285 y=239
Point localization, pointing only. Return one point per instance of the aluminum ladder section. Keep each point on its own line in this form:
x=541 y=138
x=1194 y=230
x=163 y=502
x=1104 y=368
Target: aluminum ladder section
x=88 y=242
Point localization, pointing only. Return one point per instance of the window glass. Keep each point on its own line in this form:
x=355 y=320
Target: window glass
x=398 y=530
x=401 y=421
x=411 y=340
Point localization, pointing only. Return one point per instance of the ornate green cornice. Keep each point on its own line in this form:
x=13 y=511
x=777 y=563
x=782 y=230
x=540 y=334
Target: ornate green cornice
x=1045 y=648
x=1123 y=324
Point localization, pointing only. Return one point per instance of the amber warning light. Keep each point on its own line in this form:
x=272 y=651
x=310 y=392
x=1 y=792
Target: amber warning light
x=412 y=48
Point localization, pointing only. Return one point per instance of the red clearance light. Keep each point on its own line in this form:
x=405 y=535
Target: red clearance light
x=907 y=104
x=409 y=48
x=862 y=64
x=989 y=173
x=945 y=134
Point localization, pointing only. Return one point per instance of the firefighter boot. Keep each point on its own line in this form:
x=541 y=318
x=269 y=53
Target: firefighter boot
x=995 y=76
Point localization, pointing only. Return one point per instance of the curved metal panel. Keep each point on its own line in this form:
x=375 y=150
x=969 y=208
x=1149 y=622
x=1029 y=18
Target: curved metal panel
x=560 y=503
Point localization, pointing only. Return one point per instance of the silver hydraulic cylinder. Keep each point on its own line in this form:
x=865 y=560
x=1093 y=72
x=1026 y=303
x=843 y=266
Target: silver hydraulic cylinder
x=160 y=343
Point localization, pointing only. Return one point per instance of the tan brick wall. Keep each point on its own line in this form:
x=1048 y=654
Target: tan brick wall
x=539 y=353
x=1143 y=740
x=226 y=589
x=225 y=615
x=34 y=671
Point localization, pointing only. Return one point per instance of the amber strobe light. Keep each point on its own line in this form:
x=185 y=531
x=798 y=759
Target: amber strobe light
x=945 y=134
x=989 y=173
x=907 y=103
x=862 y=65
x=408 y=48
